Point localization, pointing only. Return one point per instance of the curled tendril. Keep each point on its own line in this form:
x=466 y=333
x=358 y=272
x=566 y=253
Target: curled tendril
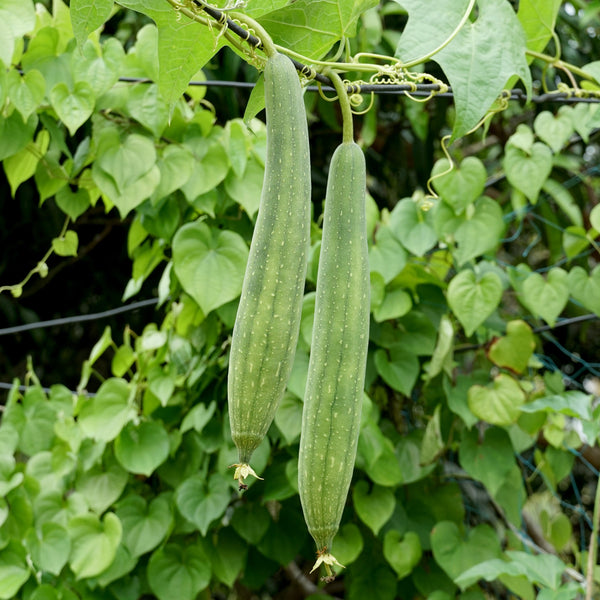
x=432 y=195
x=364 y=110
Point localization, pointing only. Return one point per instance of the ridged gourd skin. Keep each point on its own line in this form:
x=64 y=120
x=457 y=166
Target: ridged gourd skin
x=267 y=324
x=336 y=372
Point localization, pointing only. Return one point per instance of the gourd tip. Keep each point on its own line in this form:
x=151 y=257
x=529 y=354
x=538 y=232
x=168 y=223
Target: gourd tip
x=328 y=560
x=243 y=471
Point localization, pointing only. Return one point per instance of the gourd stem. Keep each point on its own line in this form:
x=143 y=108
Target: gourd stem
x=259 y=30
x=347 y=120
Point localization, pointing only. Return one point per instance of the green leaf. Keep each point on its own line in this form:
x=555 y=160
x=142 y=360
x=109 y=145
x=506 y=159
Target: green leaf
x=101 y=487
x=93 y=543
x=236 y=141
x=472 y=300
x=228 y=557
x=347 y=544
x=480 y=60
x=126 y=172
x=246 y=189
x=371 y=578
x=288 y=417
x=541 y=569
x=403 y=552
x=528 y=171
x=538 y=18
x=554 y=130
x=175 y=165
x=513 y=350
x=574 y=241
x=100 y=69
x=488 y=460
x=312 y=28
x=17 y=18
x=73 y=204
x=49 y=547
x=21 y=166
x=476 y=231
x=210 y=167
x=142 y=448
x=14 y=571
x=498 y=403
x=432 y=443
x=573 y=404
x=456 y=553
x=198 y=417
x=595 y=217
x=462 y=185
x=145 y=525
x=87 y=16
x=67 y=244
x=103 y=416
x=586 y=289
x=202 y=502
x=387 y=256
x=177 y=572
x=15 y=134
x=210 y=264
x=73 y=106
x=548 y=297
x=522 y=138
x=413 y=226
x=457 y=396
x=251 y=522
x=374 y=507
x=146 y=106
x=426 y=30
x=396 y=303
x=399 y=369
x=26 y=92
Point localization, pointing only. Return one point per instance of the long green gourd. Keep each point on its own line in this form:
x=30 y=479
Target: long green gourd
x=267 y=324
x=336 y=371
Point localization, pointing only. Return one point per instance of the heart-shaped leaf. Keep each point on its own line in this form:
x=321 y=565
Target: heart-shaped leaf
x=528 y=171
x=481 y=232
x=399 y=370
x=456 y=553
x=142 y=448
x=375 y=507
x=497 y=403
x=144 y=525
x=14 y=134
x=228 y=557
x=472 y=300
x=49 y=546
x=522 y=138
x=177 y=572
x=513 y=350
x=202 y=502
x=387 y=255
x=26 y=92
x=574 y=240
x=209 y=263
x=66 y=245
x=586 y=289
x=74 y=204
x=546 y=298
x=489 y=460
x=126 y=172
x=554 y=130
x=347 y=544
x=93 y=543
x=246 y=189
x=403 y=553
x=413 y=226
x=73 y=106
x=462 y=185
x=175 y=165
